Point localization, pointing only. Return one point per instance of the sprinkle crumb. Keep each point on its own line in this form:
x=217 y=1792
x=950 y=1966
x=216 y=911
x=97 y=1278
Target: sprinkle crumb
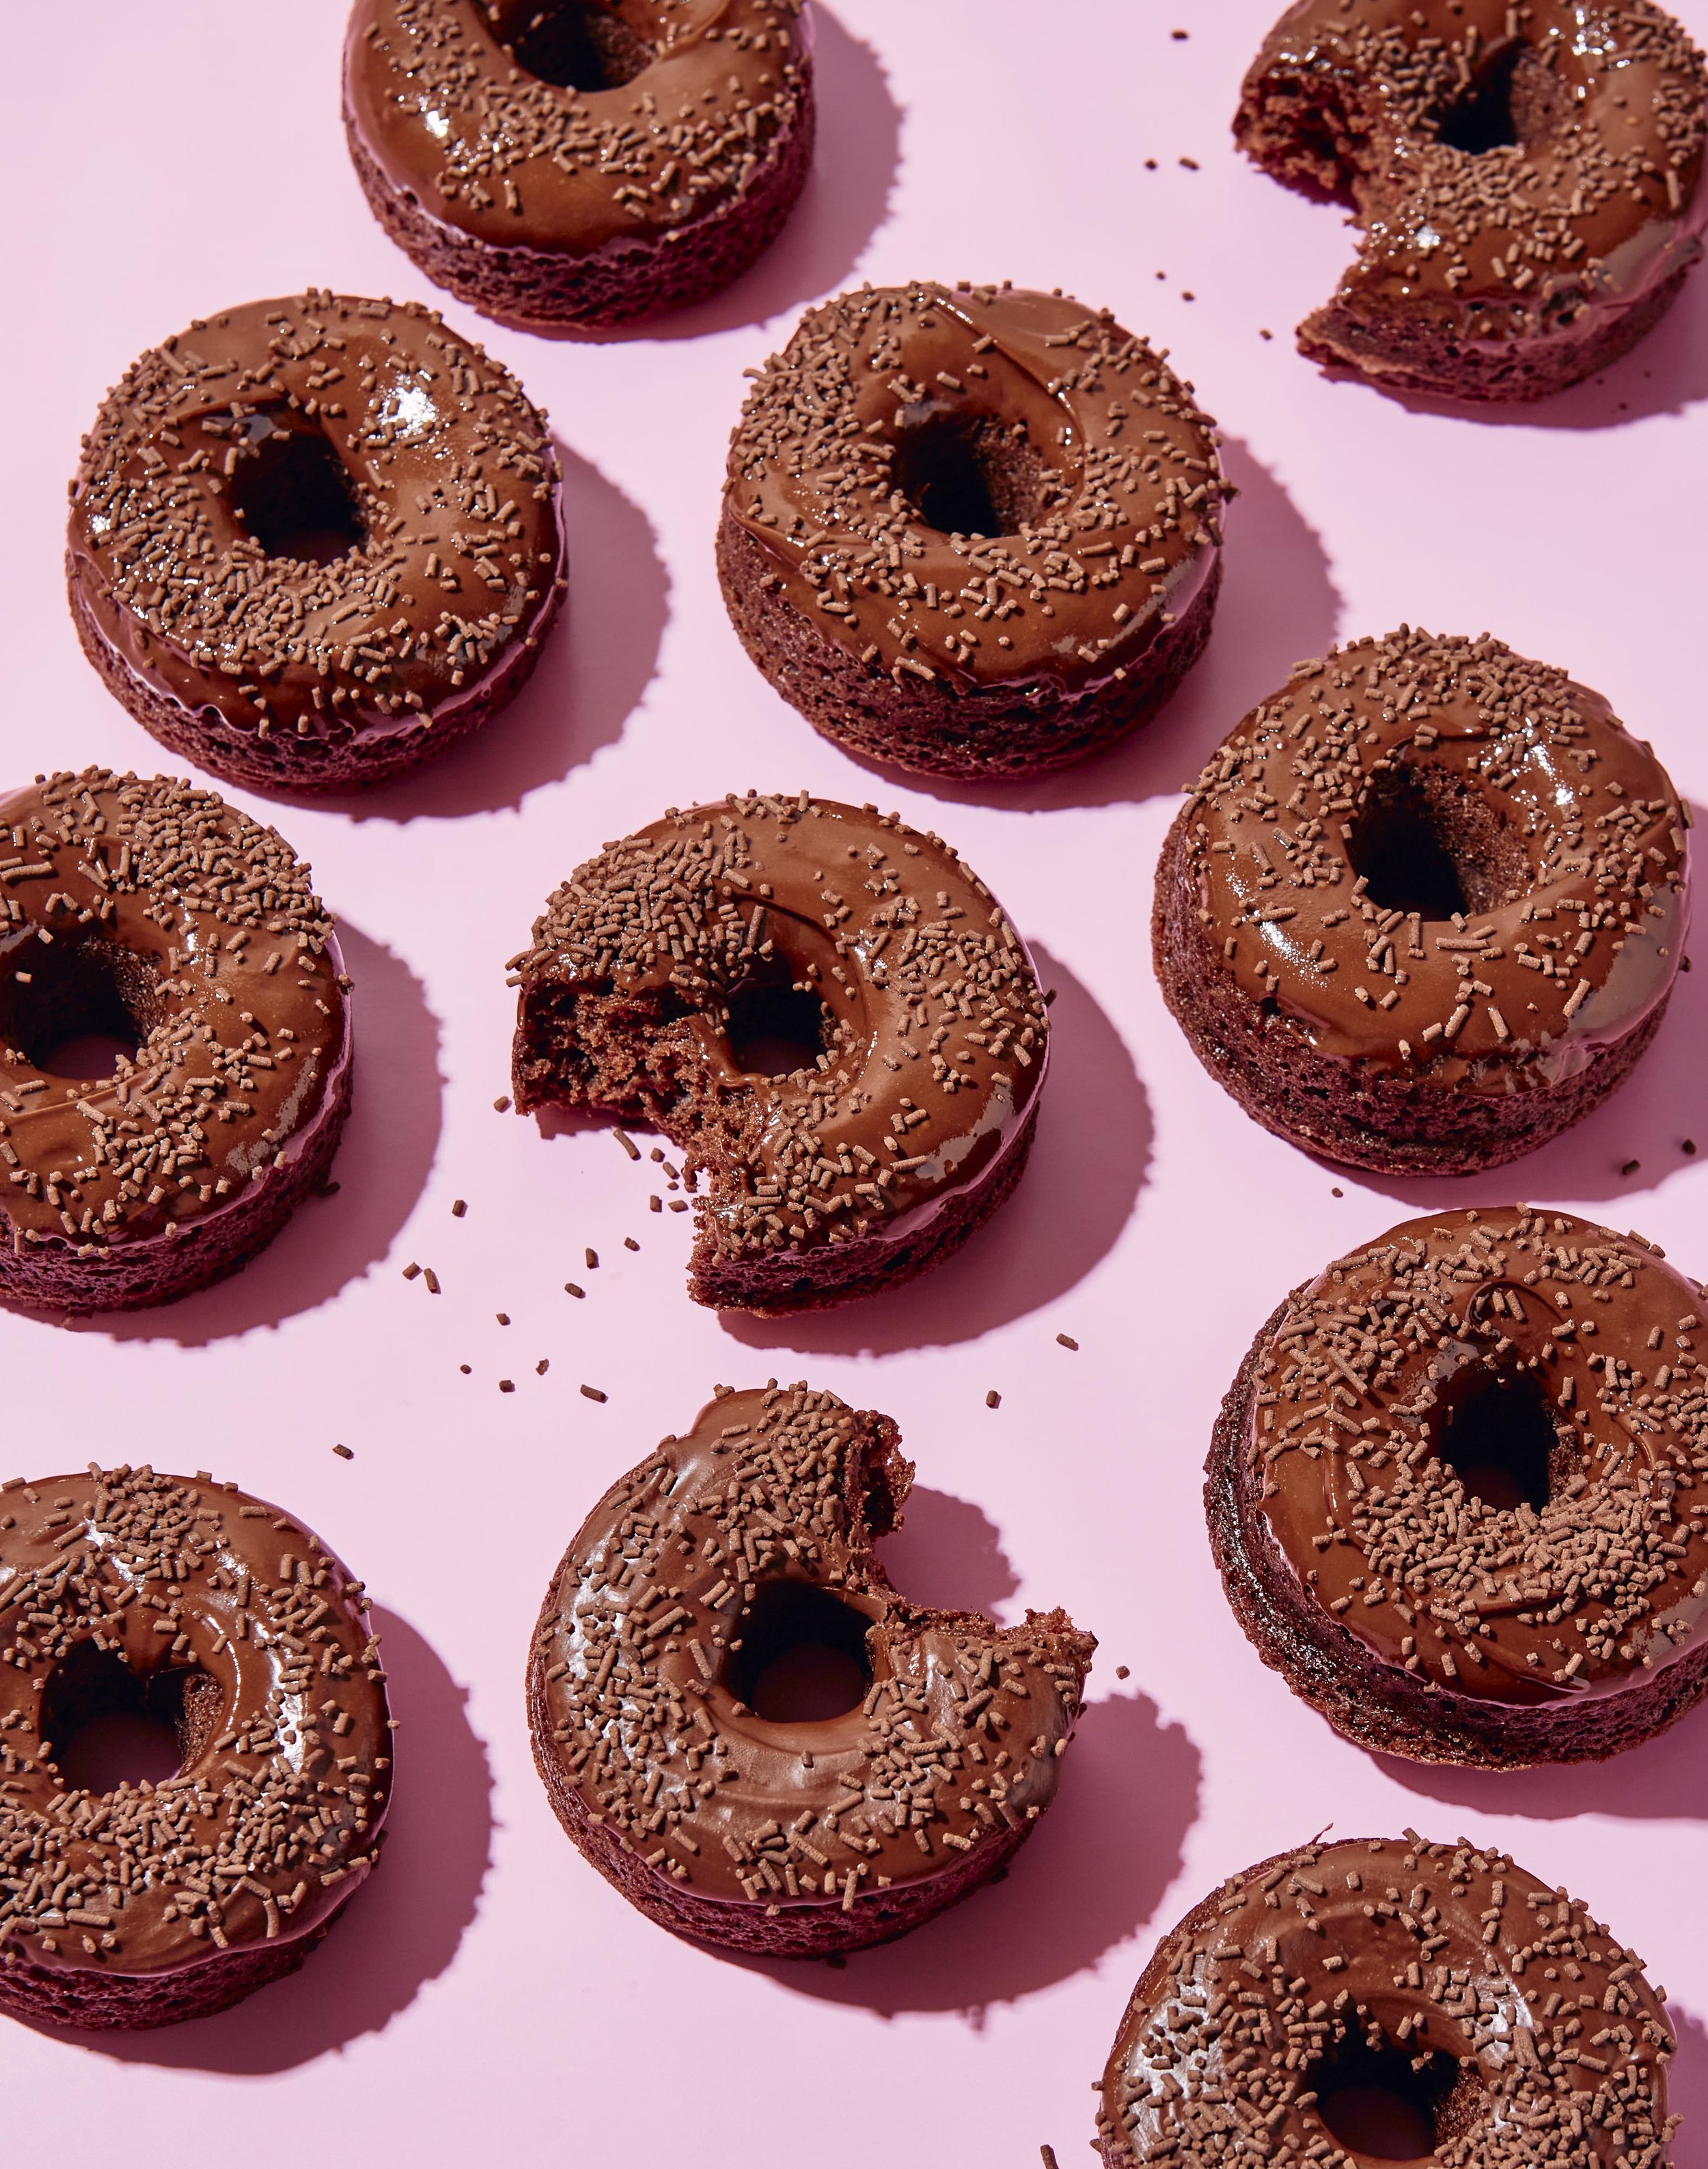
x=458 y=1209
x=570 y=1288
x=344 y=1452
x=1179 y=34
x=593 y=1259
x=1150 y=165
x=630 y=1243
x=466 y=1368
x=432 y=1279
x=1689 y=1148
x=1336 y=1191
x=1067 y=1341
x=627 y=1142
x=1265 y=334
x=655 y=1203
x=412 y=1270
x=1630 y=1167
x=994 y=1400
x=542 y=1366
x=1046 y=2153
x=593 y=1394
x=1123 y=1671
x=1190 y=164
x=500 y=1105
x=507 y=1385
x=503 y=1317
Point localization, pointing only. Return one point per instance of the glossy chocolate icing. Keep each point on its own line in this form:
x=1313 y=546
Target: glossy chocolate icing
x=152 y=896
x=1567 y=838
x=448 y=475
x=276 y=1815
x=639 y=1731
x=936 y=1037
x=434 y=95
x=1601 y=1583
x=1106 y=475
x=1547 y=2044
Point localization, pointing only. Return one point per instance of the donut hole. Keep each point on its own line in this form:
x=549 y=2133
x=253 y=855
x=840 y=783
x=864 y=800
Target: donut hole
x=77 y=1009
x=1495 y=1434
x=291 y=491
x=1422 y=840
x=1481 y=118
x=776 y=1026
x=801 y=1656
x=1384 y=2104
x=578 y=45
x=970 y=474
x=104 y=1726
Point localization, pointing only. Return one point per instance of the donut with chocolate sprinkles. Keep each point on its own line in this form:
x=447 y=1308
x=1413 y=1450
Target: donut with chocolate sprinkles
x=826 y=1011
x=188 y=1605
x=1527 y=179
x=747 y=1730
x=973 y=533
x=1389 y=1999
x=1425 y=908
x=580 y=162
x=175 y=1040
x=1459 y=1490
x=315 y=541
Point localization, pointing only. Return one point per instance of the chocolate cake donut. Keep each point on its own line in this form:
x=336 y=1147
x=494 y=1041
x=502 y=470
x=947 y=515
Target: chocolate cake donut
x=1528 y=178
x=314 y=541
x=580 y=162
x=973 y=533
x=144 y=914
x=1390 y=1999
x=747 y=1730
x=1459 y=1490
x=124 y=1593
x=1425 y=908
x=827 y=1012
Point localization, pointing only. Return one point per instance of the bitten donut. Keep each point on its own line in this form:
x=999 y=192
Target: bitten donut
x=747 y=1730
x=1425 y=908
x=827 y=1011
x=145 y=913
x=313 y=541
x=126 y=1593
x=1389 y=1999
x=970 y=534
x=1527 y=179
x=1458 y=1491
x=580 y=162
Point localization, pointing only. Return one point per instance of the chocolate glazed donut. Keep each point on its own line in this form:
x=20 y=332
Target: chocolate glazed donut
x=1425 y=908
x=1388 y=1998
x=314 y=541
x=827 y=1011
x=973 y=533
x=147 y=914
x=123 y=1592
x=580 y=162
x=747 y=1730
x=1528 y=178
x=1459 y=1491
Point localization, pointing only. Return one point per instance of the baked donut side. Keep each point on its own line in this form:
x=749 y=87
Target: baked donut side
x=826 y=1010
x=1424 y=907
x=145 y=911
x=1394 y=1998
x=970 y=533
x=587 y=164
x=314 y=541
x=728 y=1793
x=1530 y=194
x=1451 y=1492
x=125 y=1591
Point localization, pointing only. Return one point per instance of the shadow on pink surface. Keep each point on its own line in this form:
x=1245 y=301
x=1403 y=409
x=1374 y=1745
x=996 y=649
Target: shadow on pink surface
x=948 y=1554
x=1687 y=2091
x=383 y=1162
x=1667 y=1777
x=401 y=1930
x=1088 y=1165
x=1090 y=1877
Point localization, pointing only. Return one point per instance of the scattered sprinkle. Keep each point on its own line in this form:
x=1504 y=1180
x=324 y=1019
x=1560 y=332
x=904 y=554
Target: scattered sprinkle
x=630 y=1243
x=501 y=1104
x=542 y=1366
x=593 y=1259
x=1336 y=1191
x=1067 y=1341
x=412 y=1270
x=432 y=1279
x=503 y=1317
x=994 y=1400
x=1630 y=1167
x=570 y=1288
x=1190 y=164
x=593 y=1394
x=458 y=1210
x=1123 y=1672
x=344 y=1454
x=627 y=1142
x=466 y=1368
x=507 y=1385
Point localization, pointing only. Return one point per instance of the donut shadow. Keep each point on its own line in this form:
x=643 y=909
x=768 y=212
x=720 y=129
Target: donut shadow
x=598 y=661
x=382 y=1165
x=1667 y=1777
x=1279 y=602
x=1089 y=1878
x=1687 y=2090
x=401 y=1930
x=1065 y=1214
x=948 y=1555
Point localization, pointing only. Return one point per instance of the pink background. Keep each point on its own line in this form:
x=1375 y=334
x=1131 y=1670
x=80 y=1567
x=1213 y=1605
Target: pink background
x=489 y=1995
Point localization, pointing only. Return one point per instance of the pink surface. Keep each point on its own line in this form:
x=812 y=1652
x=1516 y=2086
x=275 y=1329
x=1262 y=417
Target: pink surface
x=489 y=1996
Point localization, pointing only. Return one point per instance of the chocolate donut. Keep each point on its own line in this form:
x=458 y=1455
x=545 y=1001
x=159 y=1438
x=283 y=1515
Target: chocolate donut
x=776 y=1751
x=314 y=541
x=1425 y=908
x=827 y=1011
x=1457 y=1491
x=1527 y=179
x=147 y=912
x=973 y=533
x=580 y=162
x=1387 y=1998
x=123 y=1592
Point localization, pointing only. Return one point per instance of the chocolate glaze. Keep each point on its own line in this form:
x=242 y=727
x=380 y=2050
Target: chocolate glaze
x=646 y=1747
x=448 y=476
x=153 y=898
x=936 y=1039
x=275 y=1816
x=1101 y=469
x=1544 y=2040
x=1568 y=840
